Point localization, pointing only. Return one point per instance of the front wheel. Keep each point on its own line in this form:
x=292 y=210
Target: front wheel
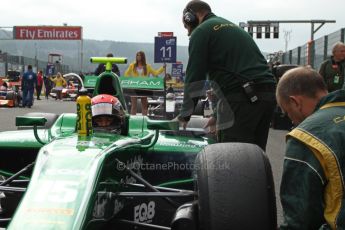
x=235 y=188
x=13 y=97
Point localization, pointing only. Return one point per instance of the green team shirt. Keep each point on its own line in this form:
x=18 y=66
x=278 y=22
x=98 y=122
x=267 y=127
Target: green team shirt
x=333 y=74
x=312 y=186
x=218 y=47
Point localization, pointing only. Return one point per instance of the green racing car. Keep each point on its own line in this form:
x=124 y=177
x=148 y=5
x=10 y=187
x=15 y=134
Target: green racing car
x=152 y=175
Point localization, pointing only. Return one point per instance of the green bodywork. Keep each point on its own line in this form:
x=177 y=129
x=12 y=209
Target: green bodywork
x=90 y=81
x=70 y=170
x=143 y=83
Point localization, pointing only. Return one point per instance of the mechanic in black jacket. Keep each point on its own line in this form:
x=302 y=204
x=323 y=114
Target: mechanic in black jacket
x=225 y=54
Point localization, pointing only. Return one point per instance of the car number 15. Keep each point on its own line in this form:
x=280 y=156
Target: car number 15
x=57 y=191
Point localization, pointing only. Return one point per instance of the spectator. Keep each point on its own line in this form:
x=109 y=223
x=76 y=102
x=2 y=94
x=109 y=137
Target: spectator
x=312 y=186
x=179 y=82
x=170 y=89
x=333 y=69
x=141 y=68
x=39 y=84
x=60 y=83
x=28 y=85
x=168 y=78
x=238 y=73
x=48 y=86
x=101 y=67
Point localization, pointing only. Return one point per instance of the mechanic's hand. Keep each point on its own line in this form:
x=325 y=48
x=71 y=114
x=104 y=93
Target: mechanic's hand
x=211 y=124
x=182 y=122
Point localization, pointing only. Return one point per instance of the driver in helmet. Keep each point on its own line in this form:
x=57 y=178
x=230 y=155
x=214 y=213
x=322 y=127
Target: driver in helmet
x=107 y=114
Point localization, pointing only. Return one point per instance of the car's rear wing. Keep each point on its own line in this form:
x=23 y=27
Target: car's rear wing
x=90 y=81
x=143 y=86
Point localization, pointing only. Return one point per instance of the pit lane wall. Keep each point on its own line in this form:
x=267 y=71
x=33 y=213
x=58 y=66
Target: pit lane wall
x=314 y=52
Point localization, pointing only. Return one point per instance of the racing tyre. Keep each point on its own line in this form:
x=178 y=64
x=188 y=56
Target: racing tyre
x=235 y=188
x=8 y=204
x=12 y=96
x=51 y=118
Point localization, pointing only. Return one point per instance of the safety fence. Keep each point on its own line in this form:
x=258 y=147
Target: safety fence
x=314 y=52
x=20 y=63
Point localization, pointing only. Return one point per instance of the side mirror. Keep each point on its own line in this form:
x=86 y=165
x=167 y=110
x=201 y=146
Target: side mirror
x=162 y=125
x=30 y=121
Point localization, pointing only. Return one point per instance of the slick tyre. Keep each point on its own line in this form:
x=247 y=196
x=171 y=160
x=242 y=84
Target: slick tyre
x=235 y=188
x=8 y=203
x=51 y=118
x=13 y=97
x=10 y=96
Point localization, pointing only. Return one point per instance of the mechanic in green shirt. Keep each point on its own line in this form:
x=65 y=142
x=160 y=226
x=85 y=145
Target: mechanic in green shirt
x=312 y=186
x=333 y=69
x=228 y=57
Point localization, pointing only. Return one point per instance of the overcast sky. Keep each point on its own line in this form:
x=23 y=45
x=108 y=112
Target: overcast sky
x=141 y=20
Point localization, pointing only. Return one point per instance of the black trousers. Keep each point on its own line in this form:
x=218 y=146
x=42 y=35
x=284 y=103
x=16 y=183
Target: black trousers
x=250 y=121
x=38 y=91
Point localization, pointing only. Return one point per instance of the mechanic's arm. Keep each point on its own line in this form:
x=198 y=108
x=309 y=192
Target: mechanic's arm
x=211 y=124
x=197 y=69
x=212 y=121
x=301 y=190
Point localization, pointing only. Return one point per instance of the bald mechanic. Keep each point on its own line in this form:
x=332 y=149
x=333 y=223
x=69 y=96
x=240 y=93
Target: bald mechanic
x=312 y=187
x=225 y=54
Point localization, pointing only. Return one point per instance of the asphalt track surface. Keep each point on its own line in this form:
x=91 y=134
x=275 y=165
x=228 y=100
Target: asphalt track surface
x=275 y=146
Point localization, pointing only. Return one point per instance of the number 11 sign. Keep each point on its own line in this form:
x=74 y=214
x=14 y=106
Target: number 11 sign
x=165 y=50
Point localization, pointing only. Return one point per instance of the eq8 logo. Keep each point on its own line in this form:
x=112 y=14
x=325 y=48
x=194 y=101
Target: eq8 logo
x=144 y=212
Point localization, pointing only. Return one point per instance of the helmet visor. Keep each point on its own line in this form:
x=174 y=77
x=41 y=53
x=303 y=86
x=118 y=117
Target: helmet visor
x=102 y=109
